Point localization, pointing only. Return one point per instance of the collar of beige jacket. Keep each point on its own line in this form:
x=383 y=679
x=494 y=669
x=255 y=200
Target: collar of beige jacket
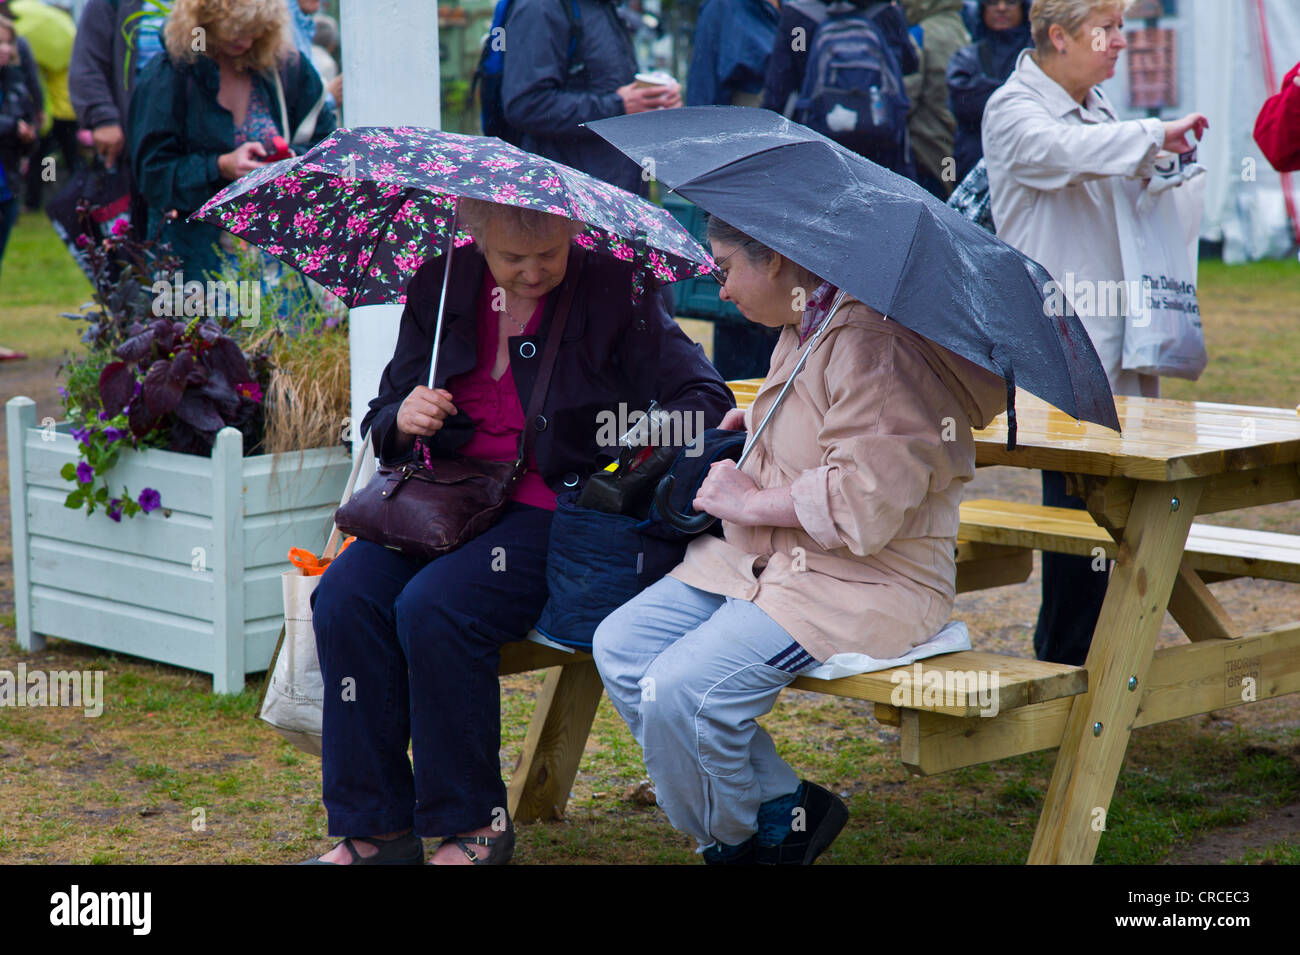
x=1055 y=97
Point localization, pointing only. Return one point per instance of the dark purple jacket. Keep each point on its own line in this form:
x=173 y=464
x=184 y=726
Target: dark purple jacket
x=611 y=352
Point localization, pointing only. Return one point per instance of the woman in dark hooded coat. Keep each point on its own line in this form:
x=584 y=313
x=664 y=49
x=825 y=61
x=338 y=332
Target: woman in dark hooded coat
x=1000 y=32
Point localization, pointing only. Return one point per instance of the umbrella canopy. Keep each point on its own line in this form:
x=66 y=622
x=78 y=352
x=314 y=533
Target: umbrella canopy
x=878 y=236
x=364 y=208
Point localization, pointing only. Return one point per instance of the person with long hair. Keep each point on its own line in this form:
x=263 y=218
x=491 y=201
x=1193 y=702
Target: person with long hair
x=208 y=111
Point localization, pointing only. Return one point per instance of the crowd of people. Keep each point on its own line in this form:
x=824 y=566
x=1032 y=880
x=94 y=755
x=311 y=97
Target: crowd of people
x=925 y=87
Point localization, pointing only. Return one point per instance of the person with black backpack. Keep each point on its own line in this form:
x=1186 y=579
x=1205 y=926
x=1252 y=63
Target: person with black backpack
x=977 y=70
x=565 y=63
x=838 y=68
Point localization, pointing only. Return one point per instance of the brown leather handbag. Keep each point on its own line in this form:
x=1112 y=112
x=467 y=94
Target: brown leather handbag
x=426 y=512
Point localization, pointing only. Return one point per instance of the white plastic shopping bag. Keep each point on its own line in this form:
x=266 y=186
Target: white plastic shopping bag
x=1158 y=238
x=295 y=692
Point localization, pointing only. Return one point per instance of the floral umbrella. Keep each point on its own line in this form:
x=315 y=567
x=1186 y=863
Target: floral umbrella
x=364 y=208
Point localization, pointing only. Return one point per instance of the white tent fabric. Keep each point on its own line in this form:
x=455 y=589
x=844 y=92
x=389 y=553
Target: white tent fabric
x=1221 y=73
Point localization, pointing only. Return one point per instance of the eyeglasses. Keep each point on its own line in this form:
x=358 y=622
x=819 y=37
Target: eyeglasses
x=718 y=275
x=1003 y=3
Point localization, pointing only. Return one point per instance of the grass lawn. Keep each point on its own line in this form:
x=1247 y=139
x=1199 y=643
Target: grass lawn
x=171 y=773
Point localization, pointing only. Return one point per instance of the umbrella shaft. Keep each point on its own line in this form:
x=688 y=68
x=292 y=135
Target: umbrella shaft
x=835 y=307
x=442 y=301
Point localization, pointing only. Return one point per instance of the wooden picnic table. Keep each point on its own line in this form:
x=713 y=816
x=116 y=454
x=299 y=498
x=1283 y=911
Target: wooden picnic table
x=1174 y=460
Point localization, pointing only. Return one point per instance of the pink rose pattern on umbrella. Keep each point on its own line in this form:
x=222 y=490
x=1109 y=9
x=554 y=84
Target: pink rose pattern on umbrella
x=362 y=211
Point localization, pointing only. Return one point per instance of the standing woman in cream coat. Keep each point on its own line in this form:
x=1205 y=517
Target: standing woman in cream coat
x=1058 y=160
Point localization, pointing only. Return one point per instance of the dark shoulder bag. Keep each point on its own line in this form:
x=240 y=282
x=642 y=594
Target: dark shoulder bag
x=427 y=511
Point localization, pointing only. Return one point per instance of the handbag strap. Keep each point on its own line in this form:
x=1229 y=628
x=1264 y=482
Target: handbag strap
x=358 y=464
x=553 y=335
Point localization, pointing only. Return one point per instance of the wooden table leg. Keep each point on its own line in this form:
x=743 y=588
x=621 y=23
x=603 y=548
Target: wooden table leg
x=1101 y=720
x=557 y=735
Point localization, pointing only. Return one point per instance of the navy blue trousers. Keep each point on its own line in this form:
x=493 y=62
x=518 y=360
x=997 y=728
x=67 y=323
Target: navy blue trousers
x=409 y=651
x=1072 y=592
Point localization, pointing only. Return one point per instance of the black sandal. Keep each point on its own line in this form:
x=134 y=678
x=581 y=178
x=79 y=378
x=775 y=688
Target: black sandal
x=501 y=849
x=404 y=850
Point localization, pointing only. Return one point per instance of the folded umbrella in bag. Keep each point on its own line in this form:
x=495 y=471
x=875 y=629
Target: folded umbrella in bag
x=598 y=561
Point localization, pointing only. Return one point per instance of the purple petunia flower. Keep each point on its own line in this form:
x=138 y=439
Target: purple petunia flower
x=103 y=416
x=81 y=435
x=85 y=473
x=115 y=509
x=149 y=500
x=113 y=434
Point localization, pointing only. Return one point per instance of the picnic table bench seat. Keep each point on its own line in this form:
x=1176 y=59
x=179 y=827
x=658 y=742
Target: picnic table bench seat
x=1215 y=552
x=938 y=731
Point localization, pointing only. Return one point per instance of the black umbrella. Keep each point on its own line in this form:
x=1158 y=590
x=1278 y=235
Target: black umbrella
x=878 y=236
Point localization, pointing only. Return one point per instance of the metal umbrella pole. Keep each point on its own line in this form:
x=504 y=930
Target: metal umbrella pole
x=442 y=299
x=695 y=523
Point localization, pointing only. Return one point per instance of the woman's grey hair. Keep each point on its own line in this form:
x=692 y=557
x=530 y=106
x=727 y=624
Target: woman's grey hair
x=327 y=32
x=477 y=216
x=1070 y=14
x=756 y=252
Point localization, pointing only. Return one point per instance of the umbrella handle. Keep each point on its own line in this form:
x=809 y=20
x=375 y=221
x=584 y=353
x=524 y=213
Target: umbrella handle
x=686 y=523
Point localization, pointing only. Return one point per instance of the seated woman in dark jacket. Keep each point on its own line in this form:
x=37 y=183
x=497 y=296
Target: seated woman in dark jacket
x=201 y=118
x=1000 y=32
x=419 y=641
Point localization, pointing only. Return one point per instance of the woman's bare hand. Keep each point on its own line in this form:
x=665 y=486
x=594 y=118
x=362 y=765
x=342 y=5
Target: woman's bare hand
x=424 y=411
x=1176 y=132
x=733 y=420
x=242 y=160
x=725 y=493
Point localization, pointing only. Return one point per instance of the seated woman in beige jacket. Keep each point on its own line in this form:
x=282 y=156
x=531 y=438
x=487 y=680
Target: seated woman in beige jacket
x=838 y=538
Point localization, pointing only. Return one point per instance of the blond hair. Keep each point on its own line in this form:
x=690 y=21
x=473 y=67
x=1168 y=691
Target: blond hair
x=1070 y=14
x=476 y=216
x=192 y=21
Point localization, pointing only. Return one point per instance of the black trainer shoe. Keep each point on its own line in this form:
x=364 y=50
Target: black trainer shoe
x=824 y=815
x=746 y=855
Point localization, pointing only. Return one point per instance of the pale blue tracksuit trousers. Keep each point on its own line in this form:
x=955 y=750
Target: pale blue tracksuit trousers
x=690 y=672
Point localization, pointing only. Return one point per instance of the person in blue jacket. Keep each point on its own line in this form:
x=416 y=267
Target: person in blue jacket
x=733 y=40
x=1000 y=32
x=569 y=62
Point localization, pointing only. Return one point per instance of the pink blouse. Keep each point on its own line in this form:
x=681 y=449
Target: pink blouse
x=494 y=404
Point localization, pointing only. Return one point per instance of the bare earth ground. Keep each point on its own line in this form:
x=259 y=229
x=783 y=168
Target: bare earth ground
x=106 y=806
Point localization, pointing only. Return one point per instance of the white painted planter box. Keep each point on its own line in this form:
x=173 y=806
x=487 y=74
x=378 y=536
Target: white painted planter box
x=199 y=589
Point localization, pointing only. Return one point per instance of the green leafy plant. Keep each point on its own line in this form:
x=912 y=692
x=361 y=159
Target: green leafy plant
x=145 y=380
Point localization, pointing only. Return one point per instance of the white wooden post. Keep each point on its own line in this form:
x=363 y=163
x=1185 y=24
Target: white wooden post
x=390 y=78
x=21 y=415
x=228 y=562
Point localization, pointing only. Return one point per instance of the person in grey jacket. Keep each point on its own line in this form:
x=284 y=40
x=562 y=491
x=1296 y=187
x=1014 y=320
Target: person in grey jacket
x=548 y=93
x=99 y=82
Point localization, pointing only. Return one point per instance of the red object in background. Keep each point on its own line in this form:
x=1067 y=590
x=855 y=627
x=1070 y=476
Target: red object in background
x=1277 y=129
x=282 y=150
x=1280 y=119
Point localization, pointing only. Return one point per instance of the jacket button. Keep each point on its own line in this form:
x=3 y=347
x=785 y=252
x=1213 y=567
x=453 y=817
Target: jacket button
x=570 y=480
x=540 y=422
x=527 y=350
